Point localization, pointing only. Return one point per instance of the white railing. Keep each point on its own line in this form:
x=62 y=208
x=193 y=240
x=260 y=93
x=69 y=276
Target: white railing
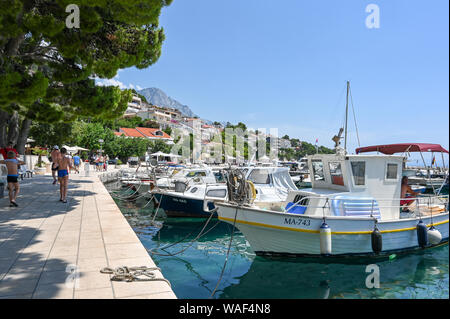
x=422 y=202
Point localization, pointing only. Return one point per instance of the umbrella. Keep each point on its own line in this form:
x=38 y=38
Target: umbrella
x=74 y=149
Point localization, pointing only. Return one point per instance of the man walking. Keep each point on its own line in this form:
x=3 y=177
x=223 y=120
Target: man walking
x=12 y=165
x=55 y=155
x=64 y=164
x=76 y=163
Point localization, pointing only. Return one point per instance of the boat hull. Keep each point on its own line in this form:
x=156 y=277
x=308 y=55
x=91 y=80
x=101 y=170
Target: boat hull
x=179 y=206
x=273 y=233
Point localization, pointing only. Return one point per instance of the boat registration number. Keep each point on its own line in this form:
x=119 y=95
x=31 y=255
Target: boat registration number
x=297 y=221
x=179 y=200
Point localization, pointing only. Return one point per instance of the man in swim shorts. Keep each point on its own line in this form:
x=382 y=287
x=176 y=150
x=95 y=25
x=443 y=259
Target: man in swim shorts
x=12 y=165
x=407 y=192
x=55 y=154
x=64 y=164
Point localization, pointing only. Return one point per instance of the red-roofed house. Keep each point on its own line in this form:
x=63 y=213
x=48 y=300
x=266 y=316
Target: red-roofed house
x=153 y=133
x=130 y=132
x=144 y=132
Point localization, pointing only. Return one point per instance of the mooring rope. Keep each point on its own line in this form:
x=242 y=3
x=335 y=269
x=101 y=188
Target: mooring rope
x=152 y=251
x=128 y=196
x=228 y=253
x=130 y=274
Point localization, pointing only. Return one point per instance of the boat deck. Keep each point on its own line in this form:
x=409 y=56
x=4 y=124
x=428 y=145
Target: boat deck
x=49 y=249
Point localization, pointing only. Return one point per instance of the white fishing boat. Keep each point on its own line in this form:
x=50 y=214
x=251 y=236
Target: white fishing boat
x=353 y=208
x=353 y=199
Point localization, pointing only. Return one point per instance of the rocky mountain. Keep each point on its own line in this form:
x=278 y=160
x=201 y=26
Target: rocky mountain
x=157 y=97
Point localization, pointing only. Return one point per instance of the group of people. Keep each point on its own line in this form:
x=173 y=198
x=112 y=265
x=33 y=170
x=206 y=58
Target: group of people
x=101 y=162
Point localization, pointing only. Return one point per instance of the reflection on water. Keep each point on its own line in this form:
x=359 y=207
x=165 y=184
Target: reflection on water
x=195 y=272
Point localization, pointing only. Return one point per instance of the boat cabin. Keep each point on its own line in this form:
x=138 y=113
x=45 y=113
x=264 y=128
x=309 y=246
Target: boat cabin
x=352 y=185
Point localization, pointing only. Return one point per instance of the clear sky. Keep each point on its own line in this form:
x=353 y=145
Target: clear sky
x=284 y=64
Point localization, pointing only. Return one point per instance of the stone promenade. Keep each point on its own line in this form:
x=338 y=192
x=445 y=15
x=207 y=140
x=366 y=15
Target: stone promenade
x=49 y=249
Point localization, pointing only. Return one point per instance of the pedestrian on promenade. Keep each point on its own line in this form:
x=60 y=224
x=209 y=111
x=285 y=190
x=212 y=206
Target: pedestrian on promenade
x=97 y=163
x=71 y=161
x=105 y=165
x=76 y=163
x=12 y=164
x=64 y=164
x=101 y=161
x=55 y=156
x=10 y=147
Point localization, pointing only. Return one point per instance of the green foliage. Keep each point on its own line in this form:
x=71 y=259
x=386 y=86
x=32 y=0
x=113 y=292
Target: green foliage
x=48 y=71
x=40 y=152
x=87 y=135
x=46 y=134
x=168 y=130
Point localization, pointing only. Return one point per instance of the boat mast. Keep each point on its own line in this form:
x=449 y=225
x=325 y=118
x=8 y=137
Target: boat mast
x=346 y=117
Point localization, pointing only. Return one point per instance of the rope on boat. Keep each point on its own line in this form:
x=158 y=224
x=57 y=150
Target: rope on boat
x=157 y=208
x=228 y=253
x=129 y=196
x=200 y=234
x=130 y=274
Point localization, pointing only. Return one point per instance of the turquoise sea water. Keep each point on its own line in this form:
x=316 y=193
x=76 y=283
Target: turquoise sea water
x=195 y=272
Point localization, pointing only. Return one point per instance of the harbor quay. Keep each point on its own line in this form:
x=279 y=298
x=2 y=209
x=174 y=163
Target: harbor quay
x=55 y=250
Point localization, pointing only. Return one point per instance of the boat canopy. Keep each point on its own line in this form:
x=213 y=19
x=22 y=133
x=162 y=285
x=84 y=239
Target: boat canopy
x=390 y=149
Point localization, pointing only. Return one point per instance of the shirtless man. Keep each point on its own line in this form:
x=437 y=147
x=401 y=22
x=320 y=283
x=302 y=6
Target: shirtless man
x=407 y=192
x=64 y=164
x=13 y=184
x=55 y=154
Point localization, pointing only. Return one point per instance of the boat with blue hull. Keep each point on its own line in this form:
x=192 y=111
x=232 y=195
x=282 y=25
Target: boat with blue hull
x=195 y=199
x=180 y=205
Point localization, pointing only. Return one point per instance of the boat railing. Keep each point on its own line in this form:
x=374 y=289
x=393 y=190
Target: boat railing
x=370 y=206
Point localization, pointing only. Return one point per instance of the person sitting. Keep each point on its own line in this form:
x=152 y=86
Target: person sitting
x=407 y=192
x=9 y=147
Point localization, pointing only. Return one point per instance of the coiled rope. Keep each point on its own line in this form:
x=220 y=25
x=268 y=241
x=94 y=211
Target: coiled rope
x=130 y=274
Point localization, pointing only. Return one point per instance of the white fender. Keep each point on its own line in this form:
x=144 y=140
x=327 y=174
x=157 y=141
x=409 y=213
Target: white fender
x=325 y=239
x=434 y=236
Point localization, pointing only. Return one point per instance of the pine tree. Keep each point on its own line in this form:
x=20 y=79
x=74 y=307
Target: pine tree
x=48 y=70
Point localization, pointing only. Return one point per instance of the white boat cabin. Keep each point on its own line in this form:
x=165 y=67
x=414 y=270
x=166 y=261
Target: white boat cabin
x=351 y=185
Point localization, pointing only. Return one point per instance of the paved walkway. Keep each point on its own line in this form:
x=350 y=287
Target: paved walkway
x=49 y=249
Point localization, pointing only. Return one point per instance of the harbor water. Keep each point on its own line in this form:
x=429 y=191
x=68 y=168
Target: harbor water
x=194 y=265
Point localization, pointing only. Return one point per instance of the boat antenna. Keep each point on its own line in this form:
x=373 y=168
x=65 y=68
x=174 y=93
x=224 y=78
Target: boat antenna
x=354 y=117
x=346 y=116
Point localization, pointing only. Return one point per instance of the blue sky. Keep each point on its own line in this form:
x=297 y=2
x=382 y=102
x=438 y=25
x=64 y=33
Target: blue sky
x=284 y=64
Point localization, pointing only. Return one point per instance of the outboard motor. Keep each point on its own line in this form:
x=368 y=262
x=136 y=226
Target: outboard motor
x=180 y=186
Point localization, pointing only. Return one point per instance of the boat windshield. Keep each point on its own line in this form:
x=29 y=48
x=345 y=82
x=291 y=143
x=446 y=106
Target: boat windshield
x=196 y=174
x=259 y=176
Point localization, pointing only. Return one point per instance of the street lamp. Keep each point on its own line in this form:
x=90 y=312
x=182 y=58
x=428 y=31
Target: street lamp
x=101 y=145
